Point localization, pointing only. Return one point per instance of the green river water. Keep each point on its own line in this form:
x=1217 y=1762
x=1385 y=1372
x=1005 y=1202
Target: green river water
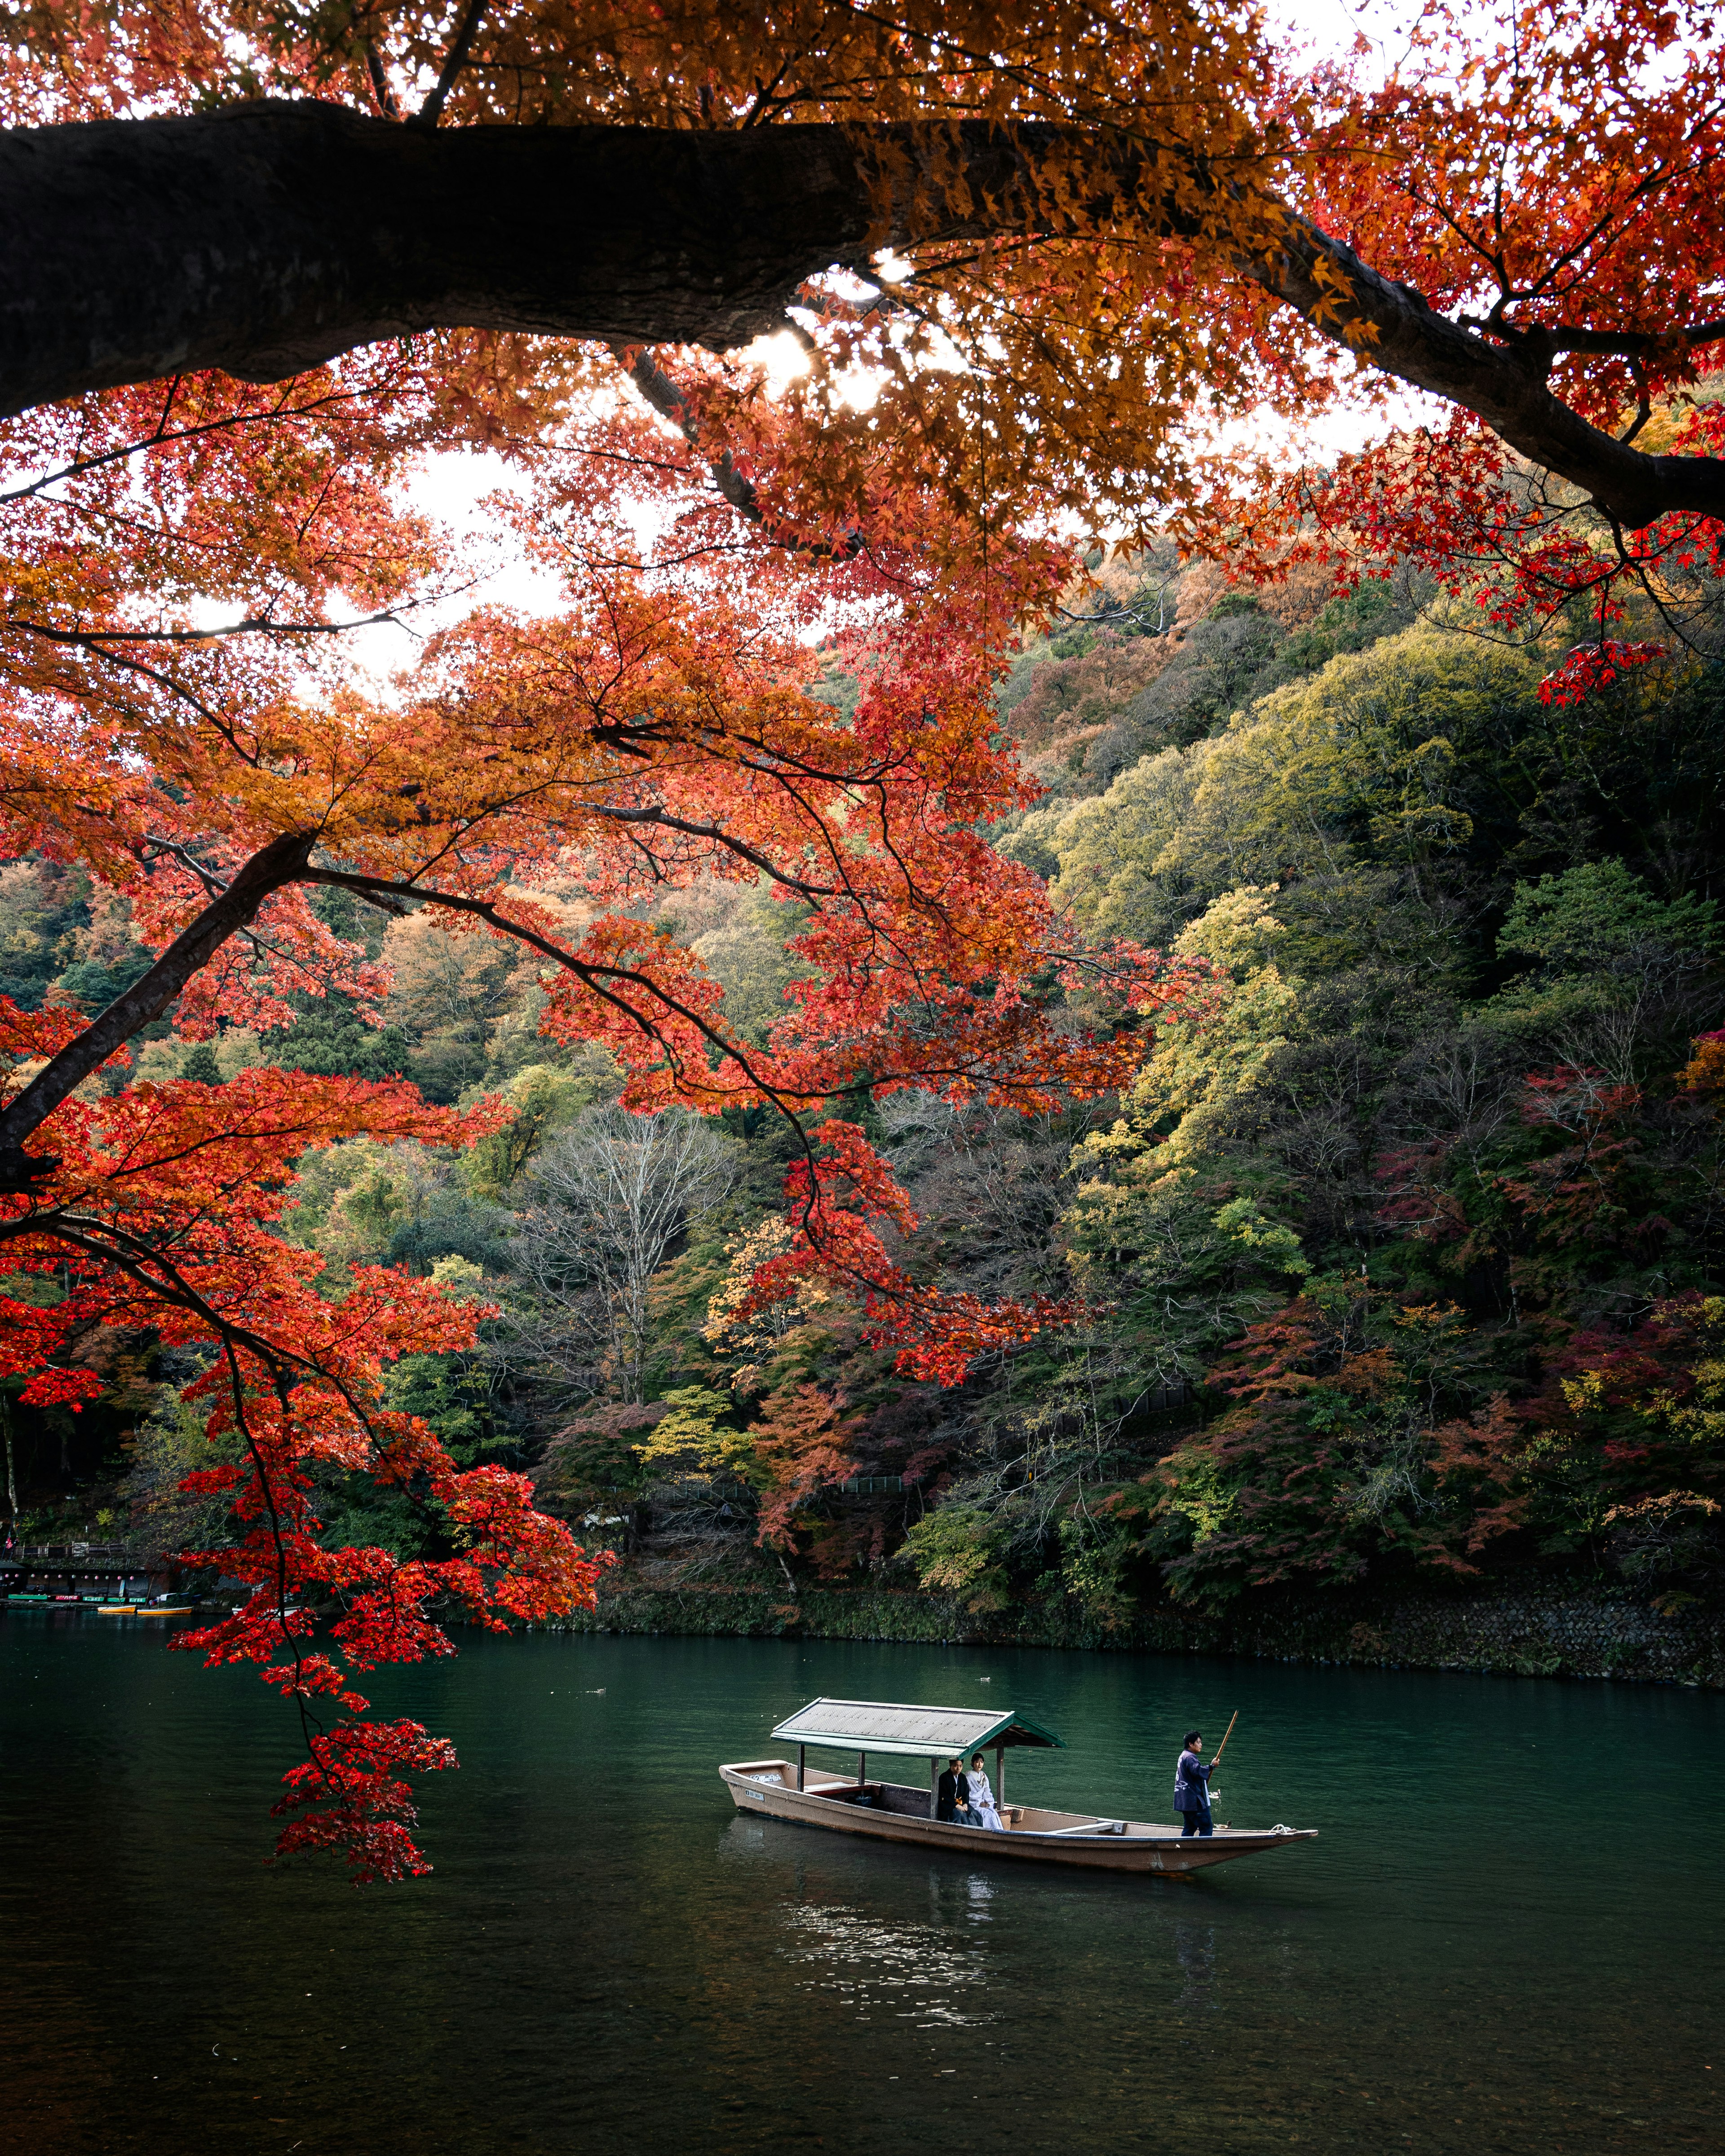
x=1507 y=1939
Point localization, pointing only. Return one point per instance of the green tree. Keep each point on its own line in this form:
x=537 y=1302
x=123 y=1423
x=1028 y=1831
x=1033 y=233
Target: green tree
x=199 y=1065
x=1615 y=972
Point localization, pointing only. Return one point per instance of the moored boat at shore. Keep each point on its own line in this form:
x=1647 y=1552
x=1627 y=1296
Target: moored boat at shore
x=904 y=1812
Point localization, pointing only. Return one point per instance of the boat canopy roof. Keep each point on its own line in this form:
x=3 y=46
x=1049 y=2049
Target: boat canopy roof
x=910 y=1732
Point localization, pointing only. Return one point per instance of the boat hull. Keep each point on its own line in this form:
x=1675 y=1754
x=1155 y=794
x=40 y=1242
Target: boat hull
x=767 y=1789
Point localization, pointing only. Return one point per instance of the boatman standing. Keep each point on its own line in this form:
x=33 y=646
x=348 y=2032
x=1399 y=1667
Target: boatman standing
x=1192 y=1788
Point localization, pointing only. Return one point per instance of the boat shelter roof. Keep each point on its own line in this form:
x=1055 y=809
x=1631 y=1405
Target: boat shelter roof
x=910 y=1732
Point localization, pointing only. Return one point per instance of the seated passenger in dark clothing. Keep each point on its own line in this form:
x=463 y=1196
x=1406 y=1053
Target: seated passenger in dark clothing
x=951 y=1798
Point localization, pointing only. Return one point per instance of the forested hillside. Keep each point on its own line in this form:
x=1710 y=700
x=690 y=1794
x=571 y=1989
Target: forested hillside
x=1400 y=1257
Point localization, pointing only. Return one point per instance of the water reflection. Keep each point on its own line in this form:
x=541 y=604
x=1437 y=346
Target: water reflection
x=1195 y=1957
x=916 y=1972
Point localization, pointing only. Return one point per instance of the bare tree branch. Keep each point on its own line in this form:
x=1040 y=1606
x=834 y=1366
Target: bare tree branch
x=431 y=111
x=283 y=861
x=671 y=403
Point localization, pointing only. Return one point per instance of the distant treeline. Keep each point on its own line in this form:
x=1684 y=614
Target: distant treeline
x=1404 y=1256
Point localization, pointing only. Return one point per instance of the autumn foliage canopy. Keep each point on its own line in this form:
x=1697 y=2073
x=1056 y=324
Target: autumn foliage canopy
x=188 y=712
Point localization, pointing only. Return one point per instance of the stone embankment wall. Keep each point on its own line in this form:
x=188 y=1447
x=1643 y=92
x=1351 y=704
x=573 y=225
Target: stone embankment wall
x=1526 y=1633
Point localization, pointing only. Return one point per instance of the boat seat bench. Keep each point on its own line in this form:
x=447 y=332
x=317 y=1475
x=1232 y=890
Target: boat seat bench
x=911 y=1803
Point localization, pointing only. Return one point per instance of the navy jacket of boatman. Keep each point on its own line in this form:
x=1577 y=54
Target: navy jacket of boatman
x=1191 y=1786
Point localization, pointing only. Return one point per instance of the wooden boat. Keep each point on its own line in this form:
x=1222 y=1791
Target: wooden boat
x=905 y=1812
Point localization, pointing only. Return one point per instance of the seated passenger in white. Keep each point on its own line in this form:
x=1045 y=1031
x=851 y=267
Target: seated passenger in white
x=982 y=1798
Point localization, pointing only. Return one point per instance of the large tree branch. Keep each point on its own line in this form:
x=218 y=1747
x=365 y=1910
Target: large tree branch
x=271 y=237
x=283 y=861
x=1504 y=384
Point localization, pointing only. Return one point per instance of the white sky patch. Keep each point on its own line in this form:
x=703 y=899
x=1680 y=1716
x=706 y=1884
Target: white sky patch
x=489 y=566
x=859 y=390
x=455 y=490
x=1341 y=428
x=780 y=357
x=1327 y=30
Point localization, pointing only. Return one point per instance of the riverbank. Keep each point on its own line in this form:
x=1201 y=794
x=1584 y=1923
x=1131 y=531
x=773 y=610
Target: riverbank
x=1510 y=1633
